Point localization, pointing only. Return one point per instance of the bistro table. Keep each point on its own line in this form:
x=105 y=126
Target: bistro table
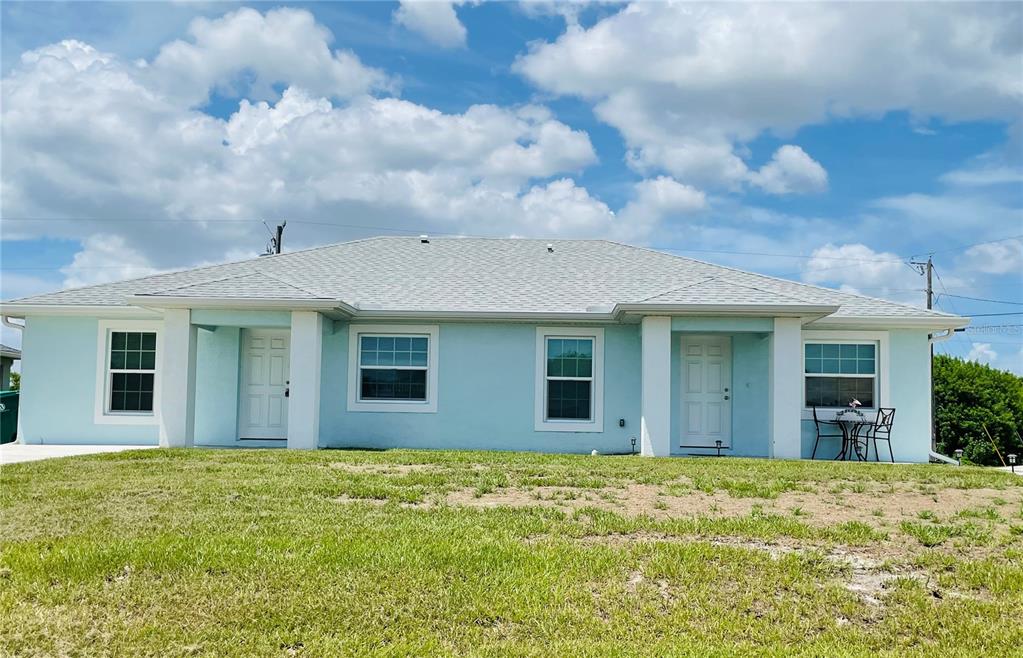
x=851 y=421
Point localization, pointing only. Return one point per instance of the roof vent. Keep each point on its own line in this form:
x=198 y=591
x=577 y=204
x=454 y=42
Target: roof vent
x=550 y=248
x=424 y=239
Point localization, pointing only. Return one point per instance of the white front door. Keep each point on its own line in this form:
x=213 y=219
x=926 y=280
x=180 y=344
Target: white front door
x=262 y=401
x=706 y=391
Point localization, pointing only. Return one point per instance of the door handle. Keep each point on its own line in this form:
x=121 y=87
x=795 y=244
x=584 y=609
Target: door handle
x=726 y=397
x=287 y=389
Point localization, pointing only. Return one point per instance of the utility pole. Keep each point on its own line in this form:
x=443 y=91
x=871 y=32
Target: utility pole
x=927 y=269
x=280 y=239
x=276 y=239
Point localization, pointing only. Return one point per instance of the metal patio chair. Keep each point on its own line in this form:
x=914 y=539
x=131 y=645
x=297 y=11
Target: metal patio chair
x=881 y=430
x=824 y=424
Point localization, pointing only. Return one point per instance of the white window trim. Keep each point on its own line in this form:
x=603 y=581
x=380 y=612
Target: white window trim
x=881 y=368
x=541 y=423
x=102 y=415
x=395 y=406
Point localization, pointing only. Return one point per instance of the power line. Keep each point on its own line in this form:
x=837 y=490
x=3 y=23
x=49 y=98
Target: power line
x=992 y=315
x=981 y=299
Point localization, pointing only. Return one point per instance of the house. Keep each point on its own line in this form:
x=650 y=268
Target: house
x=8 y=355
x=510 y=344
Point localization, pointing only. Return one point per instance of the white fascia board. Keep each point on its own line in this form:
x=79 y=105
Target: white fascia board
x=766 y=310
x=236 y=303
x=509 y=316
x=882 y=322
x=111 y=311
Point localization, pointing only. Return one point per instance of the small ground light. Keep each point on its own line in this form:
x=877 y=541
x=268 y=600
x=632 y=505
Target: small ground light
x=718 y=444
x=632 y=440
x=1012 y=463
x=959 y=455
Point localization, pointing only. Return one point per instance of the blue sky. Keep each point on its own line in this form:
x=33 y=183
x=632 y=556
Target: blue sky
x=825 y=143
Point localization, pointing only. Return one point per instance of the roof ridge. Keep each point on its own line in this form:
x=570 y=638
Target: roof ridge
x=770 y=292
x=193 y=284
x=779 y=279
x=315 y=293
x=676 y=289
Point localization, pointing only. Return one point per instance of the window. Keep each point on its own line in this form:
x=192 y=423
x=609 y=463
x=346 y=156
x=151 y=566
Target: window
x=393 y=368
x=837 y=373
x=132 y=371
x=127 y=386
x=569 y=382
x=569 y=378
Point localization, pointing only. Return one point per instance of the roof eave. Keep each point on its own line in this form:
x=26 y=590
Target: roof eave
x=20 y=310
x=891 y=322
x=240 y=303
x=749 y=310
x=510 y=316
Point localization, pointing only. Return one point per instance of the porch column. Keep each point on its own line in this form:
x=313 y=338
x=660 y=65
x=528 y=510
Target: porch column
x=177 y=379
x=786 y=390
x=304 y=403
x=655 y=424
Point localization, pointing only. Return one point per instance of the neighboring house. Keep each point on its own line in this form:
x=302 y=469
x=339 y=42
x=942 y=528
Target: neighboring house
x=8 y=355
x=509 y=344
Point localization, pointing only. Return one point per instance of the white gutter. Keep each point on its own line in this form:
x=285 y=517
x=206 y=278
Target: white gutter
x=13 y=325
x=893 y=322
x=21 y=310
x=160 y=301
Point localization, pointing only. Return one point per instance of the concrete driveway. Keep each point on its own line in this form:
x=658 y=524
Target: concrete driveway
x=13 y=453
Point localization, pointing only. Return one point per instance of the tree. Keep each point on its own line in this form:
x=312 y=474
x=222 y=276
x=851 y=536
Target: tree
x=15 y=381
x=970 y=396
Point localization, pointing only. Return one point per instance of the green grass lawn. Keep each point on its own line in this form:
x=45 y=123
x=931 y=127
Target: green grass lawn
x=275 y=553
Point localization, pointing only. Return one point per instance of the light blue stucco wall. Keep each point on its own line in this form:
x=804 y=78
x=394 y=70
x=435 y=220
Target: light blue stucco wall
x=58 y=394
x=486 y=395
x=216 y=386
x=909 y=392
x=486 y=388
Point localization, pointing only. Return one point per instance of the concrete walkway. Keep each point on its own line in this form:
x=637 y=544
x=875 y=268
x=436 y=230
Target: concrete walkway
x=13 y=453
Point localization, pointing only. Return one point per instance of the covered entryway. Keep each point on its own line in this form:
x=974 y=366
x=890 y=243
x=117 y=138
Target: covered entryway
x=706 y=406
x=263 y=387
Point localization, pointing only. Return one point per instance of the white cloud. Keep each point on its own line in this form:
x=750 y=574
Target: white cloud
x=983 y=176
x=995 y=258
x=859 y=269
x=687 y=85
x=982 y=353
x=89 y=136
x=656 y=199
x=791 y=171
x=436 y=21
x=105 y=258
x=246 y=53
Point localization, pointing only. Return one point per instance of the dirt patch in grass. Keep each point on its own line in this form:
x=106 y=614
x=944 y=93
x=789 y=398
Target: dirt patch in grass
x=881 y=507
x=383 y=469
x=865 y=571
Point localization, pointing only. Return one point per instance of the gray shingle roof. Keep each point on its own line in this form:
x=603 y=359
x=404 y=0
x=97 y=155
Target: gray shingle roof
x=482 y=274
x=10 y=352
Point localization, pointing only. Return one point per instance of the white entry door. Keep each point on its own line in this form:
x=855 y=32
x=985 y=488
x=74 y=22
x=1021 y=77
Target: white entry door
x=262 y=401
x=706 y=391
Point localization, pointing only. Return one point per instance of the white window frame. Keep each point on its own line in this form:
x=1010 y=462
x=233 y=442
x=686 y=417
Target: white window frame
x=541 y=422
x=431 y=332
x=102 y=413
x=881 y=369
